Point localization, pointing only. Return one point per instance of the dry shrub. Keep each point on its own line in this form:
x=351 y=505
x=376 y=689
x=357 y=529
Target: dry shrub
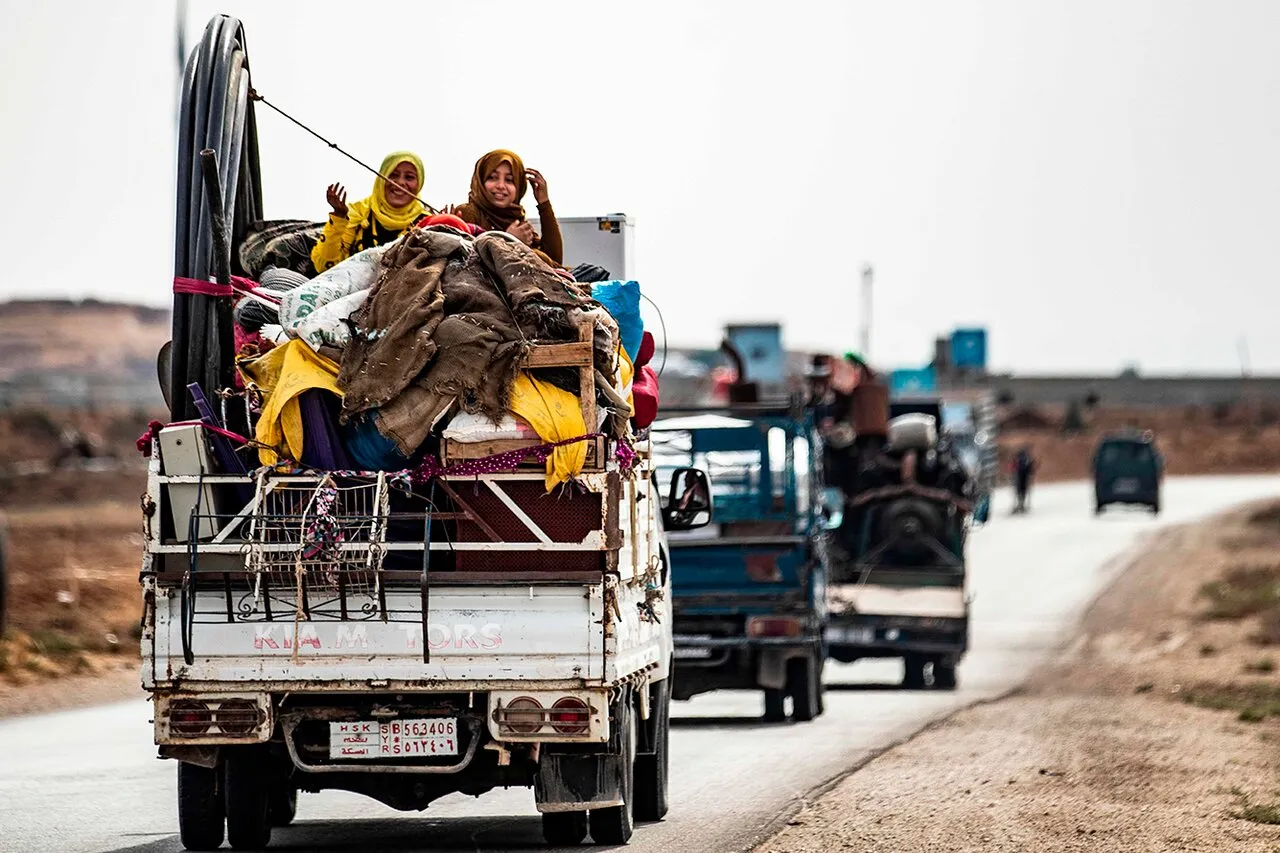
x=1027 y=418
x=1243 y=591
x=1268 y=633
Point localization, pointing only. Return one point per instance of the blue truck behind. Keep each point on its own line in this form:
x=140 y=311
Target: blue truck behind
x=749 y=590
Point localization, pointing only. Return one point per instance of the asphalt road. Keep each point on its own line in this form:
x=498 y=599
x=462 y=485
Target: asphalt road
x=87 y=780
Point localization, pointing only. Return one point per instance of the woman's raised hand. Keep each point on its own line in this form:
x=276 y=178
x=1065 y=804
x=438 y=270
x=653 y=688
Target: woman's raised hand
x=337 y=198
x=538 y=184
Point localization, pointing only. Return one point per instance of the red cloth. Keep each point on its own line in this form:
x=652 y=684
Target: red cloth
x=247 y=343
x=452 y=221
x=644 y=387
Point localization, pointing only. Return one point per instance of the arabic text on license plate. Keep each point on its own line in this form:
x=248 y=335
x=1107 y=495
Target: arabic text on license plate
x=394 y=739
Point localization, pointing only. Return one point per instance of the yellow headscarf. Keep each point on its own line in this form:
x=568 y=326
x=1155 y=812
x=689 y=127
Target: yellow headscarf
x=396 y=218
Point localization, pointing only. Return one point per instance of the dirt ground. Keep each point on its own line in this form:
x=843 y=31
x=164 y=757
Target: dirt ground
x=1156 y=730
x=1240 y=439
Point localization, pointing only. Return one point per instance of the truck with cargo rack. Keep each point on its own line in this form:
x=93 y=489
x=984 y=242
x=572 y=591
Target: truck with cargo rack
x=899 y=575
x=391 y=633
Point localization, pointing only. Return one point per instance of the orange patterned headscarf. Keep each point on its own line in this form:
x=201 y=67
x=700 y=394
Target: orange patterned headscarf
x=499 y=217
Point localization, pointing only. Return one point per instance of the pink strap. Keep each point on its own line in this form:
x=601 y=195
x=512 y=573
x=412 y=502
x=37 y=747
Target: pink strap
x=201 y=288
x=238 y=284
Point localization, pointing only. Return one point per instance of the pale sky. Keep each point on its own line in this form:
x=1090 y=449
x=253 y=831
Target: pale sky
x=1095 y=181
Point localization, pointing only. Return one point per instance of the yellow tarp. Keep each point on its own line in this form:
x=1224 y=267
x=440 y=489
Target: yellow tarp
x=556 y=415
x=283 y=373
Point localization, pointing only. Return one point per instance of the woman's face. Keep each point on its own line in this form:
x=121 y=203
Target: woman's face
x=406 y=175
x=500 y=186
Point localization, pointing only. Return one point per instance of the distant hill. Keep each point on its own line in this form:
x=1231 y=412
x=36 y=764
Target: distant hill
x=64 y=352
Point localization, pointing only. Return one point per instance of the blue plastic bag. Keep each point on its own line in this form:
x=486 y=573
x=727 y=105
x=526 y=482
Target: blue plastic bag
x=622 y=300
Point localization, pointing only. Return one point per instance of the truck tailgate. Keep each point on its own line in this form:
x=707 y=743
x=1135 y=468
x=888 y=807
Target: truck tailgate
x=486 y=633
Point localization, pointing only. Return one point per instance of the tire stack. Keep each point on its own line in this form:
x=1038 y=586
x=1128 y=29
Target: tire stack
x=216 y=113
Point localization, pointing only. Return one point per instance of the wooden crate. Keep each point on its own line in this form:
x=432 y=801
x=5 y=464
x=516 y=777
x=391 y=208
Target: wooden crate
x=580 y=355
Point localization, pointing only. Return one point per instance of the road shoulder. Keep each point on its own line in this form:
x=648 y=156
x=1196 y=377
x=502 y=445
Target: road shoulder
x=1154 y=731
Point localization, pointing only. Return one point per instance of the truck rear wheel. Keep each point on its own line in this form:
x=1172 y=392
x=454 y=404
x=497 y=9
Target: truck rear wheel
x=564 y=829
x=653 y=771
x=803 y=685
x=284 y=803
x=201 y=818
x=913 y=672
x=248 y=798
x=775 y=705
x=614 y=824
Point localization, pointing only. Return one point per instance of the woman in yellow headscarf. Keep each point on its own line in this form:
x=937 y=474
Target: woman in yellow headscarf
x=498 y=183
x=376 y=220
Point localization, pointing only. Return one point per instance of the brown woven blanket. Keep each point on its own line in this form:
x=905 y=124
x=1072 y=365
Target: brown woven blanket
x=449 y=322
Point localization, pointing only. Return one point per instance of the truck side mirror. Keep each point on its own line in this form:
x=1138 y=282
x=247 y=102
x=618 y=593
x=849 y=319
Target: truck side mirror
x=688 y=501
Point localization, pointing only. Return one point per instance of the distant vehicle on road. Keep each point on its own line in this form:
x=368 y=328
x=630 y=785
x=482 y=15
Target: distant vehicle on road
x=749 y=591
x=1127 y=469
x=899 y=573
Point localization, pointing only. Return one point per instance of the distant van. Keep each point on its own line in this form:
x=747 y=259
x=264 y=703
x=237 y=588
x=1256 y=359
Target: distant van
x=1127 y=469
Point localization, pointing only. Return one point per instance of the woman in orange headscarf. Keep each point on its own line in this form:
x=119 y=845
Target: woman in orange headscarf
x=498 y=183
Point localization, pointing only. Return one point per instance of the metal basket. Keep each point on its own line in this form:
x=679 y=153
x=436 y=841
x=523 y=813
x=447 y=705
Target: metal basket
x=319 y=535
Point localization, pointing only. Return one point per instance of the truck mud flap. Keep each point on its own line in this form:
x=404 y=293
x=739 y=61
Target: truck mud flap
x=570 y=783
x=771 y=671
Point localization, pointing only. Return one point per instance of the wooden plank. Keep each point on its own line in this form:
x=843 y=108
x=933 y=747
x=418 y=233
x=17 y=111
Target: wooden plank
x=587 y=380
x=560 y=355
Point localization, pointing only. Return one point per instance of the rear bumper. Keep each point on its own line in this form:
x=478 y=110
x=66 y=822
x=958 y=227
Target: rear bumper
x=868 y=635
x=706 y=664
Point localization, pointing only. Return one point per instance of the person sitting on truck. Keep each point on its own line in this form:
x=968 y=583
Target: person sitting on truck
x=374 y=221
x=498 y=183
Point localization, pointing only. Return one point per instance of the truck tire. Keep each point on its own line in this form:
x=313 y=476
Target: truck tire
x=803 y=687
x=775 y=705
x=654 y=771
x=284 y=803
x=912 y=672
x=944 y=675
x=248 y=798
x=201 y=819
x=614 y=824
x=564 y=829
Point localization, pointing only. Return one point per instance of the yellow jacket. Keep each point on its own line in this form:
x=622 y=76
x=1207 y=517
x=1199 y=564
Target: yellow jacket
x=343 y=238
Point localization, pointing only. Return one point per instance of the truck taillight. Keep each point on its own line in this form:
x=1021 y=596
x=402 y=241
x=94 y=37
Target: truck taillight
x=570 y=716
x=774 y=626
x=189 y=718
x=238 y=717
x=524 y=715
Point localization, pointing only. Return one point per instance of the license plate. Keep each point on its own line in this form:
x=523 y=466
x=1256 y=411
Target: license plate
x=692 y=653
x=394 y=739
x=858 y=636
x=1126 y=486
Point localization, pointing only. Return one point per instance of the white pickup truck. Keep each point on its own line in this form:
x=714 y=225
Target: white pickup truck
x=407 y=641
